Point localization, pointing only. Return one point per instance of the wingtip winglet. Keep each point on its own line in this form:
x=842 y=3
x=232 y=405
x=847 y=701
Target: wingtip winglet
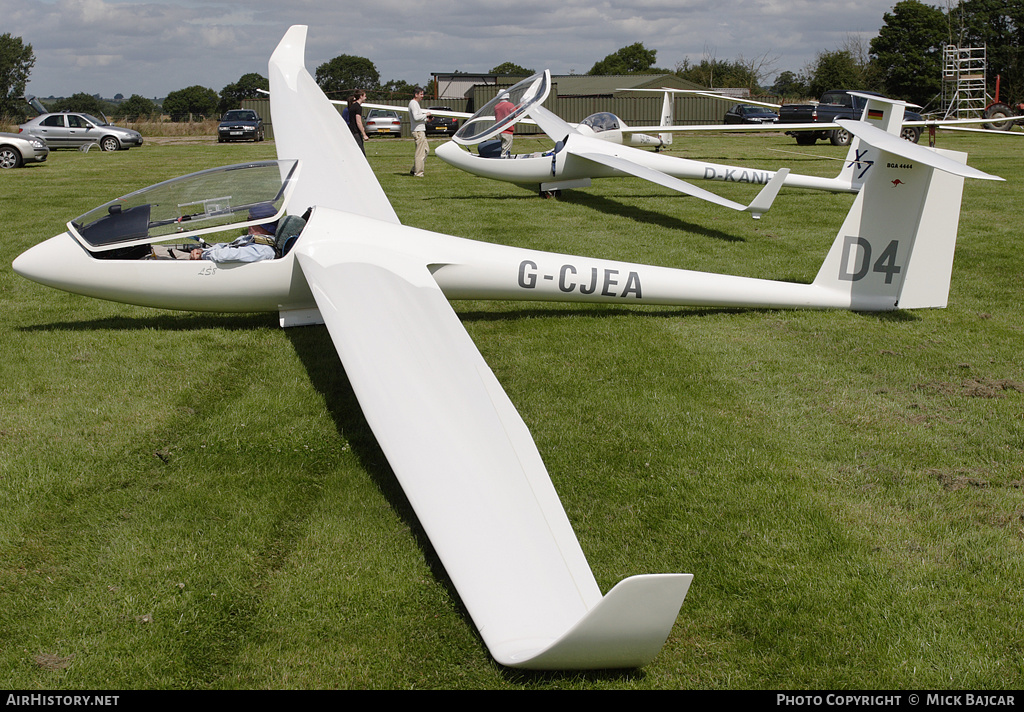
x=764 y=200
x=626 y=629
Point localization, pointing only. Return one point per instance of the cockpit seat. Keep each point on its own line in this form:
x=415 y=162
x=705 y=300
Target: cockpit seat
x=490 y=149
x=288 y=229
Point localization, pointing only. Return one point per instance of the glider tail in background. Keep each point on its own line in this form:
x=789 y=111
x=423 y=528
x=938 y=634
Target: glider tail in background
x=667 y=117
x=663 y=139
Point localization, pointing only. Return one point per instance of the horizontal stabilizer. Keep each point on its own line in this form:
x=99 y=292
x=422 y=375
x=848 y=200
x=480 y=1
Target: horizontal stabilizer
x=919 y=154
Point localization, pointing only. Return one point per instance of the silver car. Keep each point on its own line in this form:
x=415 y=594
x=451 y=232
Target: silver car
x=16 y=151
x=74 y=130
x=382 y=122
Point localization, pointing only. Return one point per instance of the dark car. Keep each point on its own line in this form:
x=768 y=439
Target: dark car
x=750 y=114
x=441 y=124
x=240 y=125
x=836 y=104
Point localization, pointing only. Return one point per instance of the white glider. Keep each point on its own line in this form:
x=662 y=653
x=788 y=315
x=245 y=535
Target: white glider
x=593 y=149
x=456 y=443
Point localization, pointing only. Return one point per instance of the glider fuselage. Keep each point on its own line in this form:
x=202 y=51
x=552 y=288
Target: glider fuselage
x=535 y=169
x=463 y=269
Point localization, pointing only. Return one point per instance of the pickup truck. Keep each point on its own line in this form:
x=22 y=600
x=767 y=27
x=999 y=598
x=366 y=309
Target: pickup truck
x=835 y=104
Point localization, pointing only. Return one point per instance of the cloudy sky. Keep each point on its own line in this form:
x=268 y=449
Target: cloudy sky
x=152 y=47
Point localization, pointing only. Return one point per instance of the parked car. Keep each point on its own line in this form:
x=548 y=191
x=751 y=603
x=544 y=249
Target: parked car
x=69 y=129
x=240 y=125
x=836 y=104
x=383 y=122
x=16 y=151
x=441 y=124
x=750 y=114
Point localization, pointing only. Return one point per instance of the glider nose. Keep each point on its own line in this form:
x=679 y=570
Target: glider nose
x=43 y=263
x=448 y=151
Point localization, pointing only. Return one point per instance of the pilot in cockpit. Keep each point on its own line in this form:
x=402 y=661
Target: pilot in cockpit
x=255 y=246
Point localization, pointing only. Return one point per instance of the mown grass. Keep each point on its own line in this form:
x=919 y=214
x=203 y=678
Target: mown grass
x=194 y=501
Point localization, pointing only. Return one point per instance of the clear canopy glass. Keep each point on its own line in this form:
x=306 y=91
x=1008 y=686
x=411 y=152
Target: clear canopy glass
x=192 y=205
x=485 y=124
x=602 y=121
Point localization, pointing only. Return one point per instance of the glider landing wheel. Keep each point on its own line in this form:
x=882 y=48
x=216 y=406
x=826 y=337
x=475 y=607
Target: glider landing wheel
x=550 y=193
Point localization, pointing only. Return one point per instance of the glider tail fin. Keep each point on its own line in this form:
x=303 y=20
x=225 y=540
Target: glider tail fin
x=667 y=118
x=895 y=249
x=887 y=115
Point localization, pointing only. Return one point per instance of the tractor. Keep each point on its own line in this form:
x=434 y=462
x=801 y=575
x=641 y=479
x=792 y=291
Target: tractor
x=1004 y=115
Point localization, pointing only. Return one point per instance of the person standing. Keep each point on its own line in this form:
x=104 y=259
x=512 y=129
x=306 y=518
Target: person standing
x=503 y=108
x=417 y=119
x=355 y=118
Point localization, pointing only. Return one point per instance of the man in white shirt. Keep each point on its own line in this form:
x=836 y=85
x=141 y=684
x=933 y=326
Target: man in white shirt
x=417 y=117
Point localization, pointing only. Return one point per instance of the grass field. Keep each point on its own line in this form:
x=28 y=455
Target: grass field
x=195 y=501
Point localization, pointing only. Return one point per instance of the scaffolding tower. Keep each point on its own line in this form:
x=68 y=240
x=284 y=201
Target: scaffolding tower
x=963 y=81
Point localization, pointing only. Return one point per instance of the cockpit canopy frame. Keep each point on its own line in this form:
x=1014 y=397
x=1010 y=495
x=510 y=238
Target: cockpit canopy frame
x=523 y=96
x=200 y=203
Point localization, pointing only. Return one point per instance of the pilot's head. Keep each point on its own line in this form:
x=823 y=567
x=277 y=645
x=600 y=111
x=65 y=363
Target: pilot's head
x=264 y=210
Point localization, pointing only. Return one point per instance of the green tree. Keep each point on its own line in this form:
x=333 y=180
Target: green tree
x=346 y=73
x=634 y=59
x=193 y=101
x=512 y=69
x=394 y=90
x=16 y=61
x=718 y=73
x=790 y=85
x=246 y=87
x=835 y=70
x=82 y=102
x=906 y=56
x=135 y=107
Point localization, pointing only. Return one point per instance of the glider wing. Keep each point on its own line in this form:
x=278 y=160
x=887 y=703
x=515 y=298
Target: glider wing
x=462 y=454
x=471 y=470
x=760 y=205
x=337 y=174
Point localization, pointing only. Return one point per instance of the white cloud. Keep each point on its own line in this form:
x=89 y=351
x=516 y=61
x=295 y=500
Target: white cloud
x=153 y=47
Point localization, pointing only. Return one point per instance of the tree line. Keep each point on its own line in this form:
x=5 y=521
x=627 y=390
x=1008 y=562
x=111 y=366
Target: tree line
x=903 y=61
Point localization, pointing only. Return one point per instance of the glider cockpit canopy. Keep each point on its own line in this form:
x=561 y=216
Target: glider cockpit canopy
x=523 y=96
x=602 y=121
x=208 y=201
